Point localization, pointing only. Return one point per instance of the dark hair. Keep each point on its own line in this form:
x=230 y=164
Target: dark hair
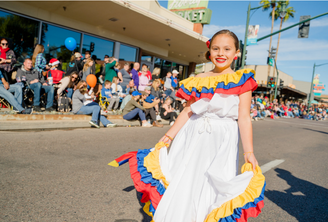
x=221 y=32
x=71 y=84
x=87 y=52
x=3 y=39
x=106 y=56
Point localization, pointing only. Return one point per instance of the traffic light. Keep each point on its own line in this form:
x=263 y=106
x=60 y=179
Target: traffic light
x=281 y=84
x=304 y=28
x=271 y=83
x=92 y=46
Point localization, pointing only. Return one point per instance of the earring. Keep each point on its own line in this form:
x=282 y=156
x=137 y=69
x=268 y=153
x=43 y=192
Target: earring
x=235 y=58
x=209 y=56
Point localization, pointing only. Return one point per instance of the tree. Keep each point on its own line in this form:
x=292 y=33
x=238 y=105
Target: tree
x=289 y=13
x=266 y=5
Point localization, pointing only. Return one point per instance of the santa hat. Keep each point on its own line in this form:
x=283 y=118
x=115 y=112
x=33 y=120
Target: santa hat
x=53 y=62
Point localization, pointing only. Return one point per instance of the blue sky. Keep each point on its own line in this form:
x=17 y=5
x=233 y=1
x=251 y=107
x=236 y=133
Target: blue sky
x=296 y=56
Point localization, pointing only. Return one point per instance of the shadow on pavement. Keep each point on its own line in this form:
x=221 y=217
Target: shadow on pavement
x=146 y=217
x=316 y=130
x=303 y=200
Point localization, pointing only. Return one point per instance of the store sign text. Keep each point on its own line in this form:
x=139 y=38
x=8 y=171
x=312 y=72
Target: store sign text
x=196 y=16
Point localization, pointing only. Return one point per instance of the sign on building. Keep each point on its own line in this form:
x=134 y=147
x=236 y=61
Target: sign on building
x=318 y=86
x=252 y=34
x=195 y=11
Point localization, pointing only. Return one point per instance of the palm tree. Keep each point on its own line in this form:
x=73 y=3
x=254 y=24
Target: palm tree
x=266 y=5
x=289 y=13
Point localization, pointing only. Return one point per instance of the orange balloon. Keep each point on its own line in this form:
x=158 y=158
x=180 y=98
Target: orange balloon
x=92 y=80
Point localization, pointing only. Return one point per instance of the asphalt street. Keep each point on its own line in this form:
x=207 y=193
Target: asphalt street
x=63 y=175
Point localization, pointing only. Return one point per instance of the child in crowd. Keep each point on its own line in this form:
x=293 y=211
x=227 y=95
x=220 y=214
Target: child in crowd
x=107 y=92
x=143 y=79
x=88 y=96
x=174 y=79
x=168 y=84
x=116 y=88
x=54 y=73
x=167 y=112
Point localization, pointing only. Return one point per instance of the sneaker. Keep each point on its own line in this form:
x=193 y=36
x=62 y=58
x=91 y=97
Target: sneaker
x=27 y=111
x=158 y=118
x=111 y=125
x=119 y=112
x=94 y=123
x=104 y=112
x=156 y=124
x=146 y=124
x=256 y=119
x=37 y=109
x=50 y=109
x=171 y=124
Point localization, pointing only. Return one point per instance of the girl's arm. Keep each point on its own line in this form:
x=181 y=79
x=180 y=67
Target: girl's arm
x=245 y=127
x=119 y=75
x=179 y=122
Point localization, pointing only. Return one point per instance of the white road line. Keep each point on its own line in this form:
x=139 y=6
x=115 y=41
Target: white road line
x=268 y=166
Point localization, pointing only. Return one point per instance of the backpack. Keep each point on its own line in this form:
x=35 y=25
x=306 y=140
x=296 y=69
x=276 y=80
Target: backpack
x=63 y=104
x=56 y=75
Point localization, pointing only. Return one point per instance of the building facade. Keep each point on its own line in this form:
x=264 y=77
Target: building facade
x=138 y=31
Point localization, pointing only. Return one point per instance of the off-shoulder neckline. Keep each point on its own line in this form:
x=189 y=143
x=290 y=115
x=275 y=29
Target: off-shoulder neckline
x=238 y=71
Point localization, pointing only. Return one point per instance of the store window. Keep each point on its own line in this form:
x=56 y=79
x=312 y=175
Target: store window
x=22 y=34
x=54 y=42
x=101 y=47
x=128 y=53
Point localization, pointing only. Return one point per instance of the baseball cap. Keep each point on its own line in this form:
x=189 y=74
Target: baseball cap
x=77 y=55
x=136 y=93
x=175 y=71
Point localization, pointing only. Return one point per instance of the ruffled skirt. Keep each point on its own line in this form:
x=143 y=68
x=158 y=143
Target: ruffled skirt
x=197 y=180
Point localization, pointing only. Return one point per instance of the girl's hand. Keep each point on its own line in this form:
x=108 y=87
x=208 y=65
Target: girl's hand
x=250 y=158
x=165 y=139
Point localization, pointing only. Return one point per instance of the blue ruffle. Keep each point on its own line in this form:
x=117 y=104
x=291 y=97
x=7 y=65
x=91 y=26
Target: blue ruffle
x=238 y=211
x=147 y=177
x=220 y=85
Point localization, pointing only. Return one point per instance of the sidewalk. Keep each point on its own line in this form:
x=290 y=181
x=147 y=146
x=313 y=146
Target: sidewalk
x=51 y=121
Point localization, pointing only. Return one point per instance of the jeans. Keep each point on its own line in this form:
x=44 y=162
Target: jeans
x=152 y=113
x=70 y=92
x=94 y=109
x=16 y=99
x=36 y=87
x=290 y=113
x=134 y=113
x=168 y=92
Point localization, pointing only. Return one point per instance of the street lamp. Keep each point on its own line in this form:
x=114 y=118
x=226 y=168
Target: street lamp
x=310 y=100
x=283 y=10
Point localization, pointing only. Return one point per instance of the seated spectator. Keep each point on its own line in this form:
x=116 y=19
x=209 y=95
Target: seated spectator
x=111 y=98
x=156 y=73
x=150 y=105
x=118 y=72
x=15 y=100
x=7 y=59
x=68 y=84
x=144 y=68
x=88 y=95
x=167 y=112
x=126 y=77
x=126 y=99
x=134 y=110
x=116 y=88
x=174 y=79
x=92 y=108
x=151 y=98
x=155 y=89
x=56 y=74
x=143 y=79
x=168 y=84
x=87 y=68
x=87 y=58
x=36 y=82
x=131 y=86
x=75 y=64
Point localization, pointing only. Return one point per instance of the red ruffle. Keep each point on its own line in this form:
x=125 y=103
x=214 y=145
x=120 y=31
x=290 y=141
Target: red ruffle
x=148 y=192
x=249 y=85
x=251 y=212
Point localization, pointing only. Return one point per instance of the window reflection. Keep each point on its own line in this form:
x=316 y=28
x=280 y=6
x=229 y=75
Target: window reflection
x=54 y=42
x=22 y=34
x=101 y=47
x=128 y=53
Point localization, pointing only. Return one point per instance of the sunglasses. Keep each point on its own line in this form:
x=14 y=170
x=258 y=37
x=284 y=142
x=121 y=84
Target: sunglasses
x=4 y=43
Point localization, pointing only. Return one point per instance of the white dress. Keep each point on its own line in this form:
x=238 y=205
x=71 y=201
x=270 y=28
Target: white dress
x=197 y=180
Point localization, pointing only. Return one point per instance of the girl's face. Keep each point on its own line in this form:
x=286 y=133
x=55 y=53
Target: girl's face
x=223 y=51
x=158 y=84
x=74 y=78
x=90 y=63
x=4 y=44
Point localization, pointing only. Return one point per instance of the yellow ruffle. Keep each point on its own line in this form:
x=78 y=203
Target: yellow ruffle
x=212 y=81
x=252 y=192
x=151 y=162
x=146 y=210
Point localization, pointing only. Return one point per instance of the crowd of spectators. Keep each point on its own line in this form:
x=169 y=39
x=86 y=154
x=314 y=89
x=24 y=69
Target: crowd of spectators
x=134 y=92
x=261 y=108
x=130 y=90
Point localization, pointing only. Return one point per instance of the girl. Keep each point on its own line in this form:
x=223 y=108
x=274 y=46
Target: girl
x=116 y=88
x=133 y=109
x=75 y=64
x=68 y=83
x=156 y=73
x=38 y=61
x=118 y=72
x=196 y=181
x=87 y=68
x=143 y=79
x=167 y=112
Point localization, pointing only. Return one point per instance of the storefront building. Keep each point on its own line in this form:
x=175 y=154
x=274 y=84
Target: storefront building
x=134 y=31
